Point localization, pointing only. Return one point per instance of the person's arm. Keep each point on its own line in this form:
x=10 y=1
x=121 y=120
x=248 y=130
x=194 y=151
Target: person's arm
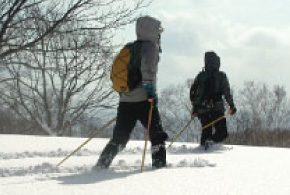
x=193 y=89
x=226 y=90
x=193 y=97
x=149 y=62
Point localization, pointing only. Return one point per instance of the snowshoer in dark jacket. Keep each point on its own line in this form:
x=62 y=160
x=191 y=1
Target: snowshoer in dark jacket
x=207 y=94
x=134 y=106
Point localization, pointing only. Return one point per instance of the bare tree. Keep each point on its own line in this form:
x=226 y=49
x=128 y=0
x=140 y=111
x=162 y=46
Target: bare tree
x=25 y=23
x=262 y=115
x=59 y=80
x=263 y=108
x=175 y=110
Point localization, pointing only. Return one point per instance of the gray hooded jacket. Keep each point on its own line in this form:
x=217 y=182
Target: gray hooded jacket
x=147 y=30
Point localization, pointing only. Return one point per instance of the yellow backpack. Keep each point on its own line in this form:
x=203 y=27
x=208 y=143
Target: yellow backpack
x=125 y=72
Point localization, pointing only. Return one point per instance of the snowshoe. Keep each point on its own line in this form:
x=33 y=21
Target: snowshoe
x=208 y=143
x=158 y=156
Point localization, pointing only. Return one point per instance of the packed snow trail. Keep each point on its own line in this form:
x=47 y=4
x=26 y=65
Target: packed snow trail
x=28 y=166
x=47 y=167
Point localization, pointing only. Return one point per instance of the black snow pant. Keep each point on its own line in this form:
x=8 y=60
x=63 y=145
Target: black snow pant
x=128 y=114
x=217 y=132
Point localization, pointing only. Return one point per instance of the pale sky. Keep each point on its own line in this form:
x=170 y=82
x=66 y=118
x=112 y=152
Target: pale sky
x=252 y=38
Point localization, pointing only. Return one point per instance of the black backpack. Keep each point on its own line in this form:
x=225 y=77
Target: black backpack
x=206 y=88
x=197 y=90
x=206 y=84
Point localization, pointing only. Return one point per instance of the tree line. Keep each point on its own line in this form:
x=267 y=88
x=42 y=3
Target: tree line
x=262 y=118
x=55 y=57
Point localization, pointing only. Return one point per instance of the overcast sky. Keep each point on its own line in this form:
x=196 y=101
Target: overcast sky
x=252 y=38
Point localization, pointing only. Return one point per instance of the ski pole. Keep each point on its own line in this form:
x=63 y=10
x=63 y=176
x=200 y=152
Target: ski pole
x=214 y=121
x=147 y=135
x=180 y=132
x=89 y=139
x=204 y=127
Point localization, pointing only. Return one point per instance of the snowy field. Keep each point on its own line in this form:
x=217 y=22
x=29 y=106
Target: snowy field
x=28 y=167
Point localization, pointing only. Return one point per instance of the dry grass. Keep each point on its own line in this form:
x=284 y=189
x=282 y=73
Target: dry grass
x=277 y=138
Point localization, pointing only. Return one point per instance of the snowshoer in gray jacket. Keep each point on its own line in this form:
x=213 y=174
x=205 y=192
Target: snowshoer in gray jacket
x=148 y=31
x=135 y=105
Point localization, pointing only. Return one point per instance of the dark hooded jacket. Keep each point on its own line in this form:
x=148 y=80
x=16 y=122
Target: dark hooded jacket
x=210 y=85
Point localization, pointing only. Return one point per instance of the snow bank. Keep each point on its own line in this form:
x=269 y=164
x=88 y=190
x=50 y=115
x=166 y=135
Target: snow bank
x=28 y=166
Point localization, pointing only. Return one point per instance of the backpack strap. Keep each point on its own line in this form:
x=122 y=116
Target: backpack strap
x=135 y=75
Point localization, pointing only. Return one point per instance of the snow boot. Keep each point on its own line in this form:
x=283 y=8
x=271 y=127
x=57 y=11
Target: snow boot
x=208 y=143
x=108 y=154
x=158 y=156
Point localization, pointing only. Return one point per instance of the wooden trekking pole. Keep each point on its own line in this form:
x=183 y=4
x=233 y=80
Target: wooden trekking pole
x=204 y=127
x=214 y=121
x=89 y=139
x=147 y=134
x=180 y=132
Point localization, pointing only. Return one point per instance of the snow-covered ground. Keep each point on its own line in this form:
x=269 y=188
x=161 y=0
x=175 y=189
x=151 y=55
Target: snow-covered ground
x=28 y=167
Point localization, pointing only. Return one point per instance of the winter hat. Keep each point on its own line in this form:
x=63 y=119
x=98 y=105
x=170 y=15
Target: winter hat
x=148 y=28
x=211 y=61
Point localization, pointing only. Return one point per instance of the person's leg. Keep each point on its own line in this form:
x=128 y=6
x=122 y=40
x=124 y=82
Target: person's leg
x=206 y=133
x=221 y=132
x=126 y=120
x=156 y=134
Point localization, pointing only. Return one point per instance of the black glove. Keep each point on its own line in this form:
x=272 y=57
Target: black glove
x=233 y=110
x=194 y=112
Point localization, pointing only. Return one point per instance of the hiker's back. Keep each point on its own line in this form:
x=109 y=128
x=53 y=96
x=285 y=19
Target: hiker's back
x=207 y=95
x=148 y=33
x=210 y=86
x=213 y=89
x=148 y=68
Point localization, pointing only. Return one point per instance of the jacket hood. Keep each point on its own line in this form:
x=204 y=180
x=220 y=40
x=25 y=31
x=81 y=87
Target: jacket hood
x=211 y=61
x=148 y=28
